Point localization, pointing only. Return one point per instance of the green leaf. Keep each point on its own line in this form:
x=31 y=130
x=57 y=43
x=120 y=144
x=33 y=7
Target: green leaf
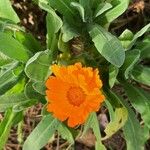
x=107 y=45
x=80 y=9
x=110 y=109
x=53 y=24
x=141 y=74
x=63 y=46
x=13 y=48
x=33 y=94
x=6 y=25
x=132 y=57
x=11 y=100
x=41 y=134
x=126 y=37
x=132 y=129
x=113 y=72
x=95 y=3
x=28 y=41
x=18 y=88
x=120 y=118
x=65 y=133
x=144 y=47
x=146 y=133
x=102 y=7
x=87 y=5
x=92 y=122
x=55 y=20
x=22 y=106
x=119 y=7
x=133 y=132
x=63 y=7
x=138 y=101
x=39 y=87
x=68 y=31
x=37 y=68
x=139 y=34
x=9 y=77
x=7 y=12
x=5 y=127
x=4 y=59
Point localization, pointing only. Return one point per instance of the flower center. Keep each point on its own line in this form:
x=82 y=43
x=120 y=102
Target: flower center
x=75 y=96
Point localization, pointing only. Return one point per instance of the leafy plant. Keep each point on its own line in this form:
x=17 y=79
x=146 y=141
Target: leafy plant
x=77 y=31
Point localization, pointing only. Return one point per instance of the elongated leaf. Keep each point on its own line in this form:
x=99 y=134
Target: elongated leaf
x=102 y=7
x=37 y=68
x=33 y=94
x=120 y=118
x=39 y=87
x=144 y=47
x=65 y=133
x=53 y=24
x=5 y=126
x=139 y=102
x=113 y=72
x=139 y=34
x=141 y=74
x=11 y=100
x=107 y=45
x=7 y=81
x=87 y=5
x=110 y=109
x=132 y=129
x=56 y=22
x=80 y=9
x=68 y=31
x=119 y=7
x=6 y=11
x=6 y=25
x=4 y=59
x=18 y=88
x=92 y=122
x=22 y=106
x=63 y=7
x=30 y=92
x=9 y=77
x=13 y=48
x=28 y=41
x=132 y=57
x=41 y=134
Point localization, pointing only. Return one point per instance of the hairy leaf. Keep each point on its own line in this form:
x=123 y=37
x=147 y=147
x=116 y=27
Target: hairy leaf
x=41 y=134
x=132 y=57
x=119 y=7
x=11 y=100
x=107 y=45
x=139 y=102
x=13 y=48
x=92 y=122
x=102 y=7
x=141 y=74
x=7 y=12
x=37 y=68
x=65 y=133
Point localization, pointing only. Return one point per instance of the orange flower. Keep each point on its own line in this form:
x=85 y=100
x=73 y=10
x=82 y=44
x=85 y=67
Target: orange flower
x=73 y=93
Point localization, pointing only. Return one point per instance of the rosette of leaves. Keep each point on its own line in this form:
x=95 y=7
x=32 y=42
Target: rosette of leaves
x=77 y=30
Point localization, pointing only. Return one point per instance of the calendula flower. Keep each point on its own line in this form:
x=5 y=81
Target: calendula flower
x=73 y=93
